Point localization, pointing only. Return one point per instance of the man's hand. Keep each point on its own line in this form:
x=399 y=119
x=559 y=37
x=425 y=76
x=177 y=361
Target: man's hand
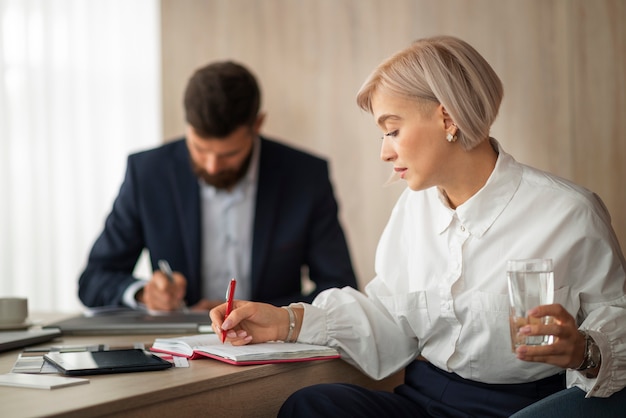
x=206 y=305
x=161 y=295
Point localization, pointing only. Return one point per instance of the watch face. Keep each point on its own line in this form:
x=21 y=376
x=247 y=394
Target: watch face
x=595 y=355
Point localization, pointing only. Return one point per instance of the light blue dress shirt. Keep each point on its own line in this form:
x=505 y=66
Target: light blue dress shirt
x=227 y=224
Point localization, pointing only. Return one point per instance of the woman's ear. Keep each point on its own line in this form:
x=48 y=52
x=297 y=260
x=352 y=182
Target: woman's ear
x=450 y=126
x=447 y=119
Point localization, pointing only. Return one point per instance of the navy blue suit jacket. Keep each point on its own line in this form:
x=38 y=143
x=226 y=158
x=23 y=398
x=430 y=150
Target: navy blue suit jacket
x=158 y=208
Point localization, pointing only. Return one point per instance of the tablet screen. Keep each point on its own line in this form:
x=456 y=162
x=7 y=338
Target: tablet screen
x=100 y=362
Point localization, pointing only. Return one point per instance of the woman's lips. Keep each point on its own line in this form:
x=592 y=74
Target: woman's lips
x=400 y=171
x=397 y=174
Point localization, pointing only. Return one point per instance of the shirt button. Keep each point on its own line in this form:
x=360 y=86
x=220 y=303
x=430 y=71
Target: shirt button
x=462 y=228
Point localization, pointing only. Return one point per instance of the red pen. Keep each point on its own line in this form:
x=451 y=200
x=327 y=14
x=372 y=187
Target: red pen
x=230 y=294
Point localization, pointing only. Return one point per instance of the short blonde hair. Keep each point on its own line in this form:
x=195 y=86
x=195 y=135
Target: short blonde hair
x=446 y=70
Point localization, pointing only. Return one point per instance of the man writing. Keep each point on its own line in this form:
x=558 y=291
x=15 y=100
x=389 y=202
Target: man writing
x=222 y=202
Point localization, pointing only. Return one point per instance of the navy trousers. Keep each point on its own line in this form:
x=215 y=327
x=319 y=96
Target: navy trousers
x=427 y=392
x=571 y=403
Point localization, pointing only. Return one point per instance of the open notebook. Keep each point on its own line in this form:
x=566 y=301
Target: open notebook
x=209 y=345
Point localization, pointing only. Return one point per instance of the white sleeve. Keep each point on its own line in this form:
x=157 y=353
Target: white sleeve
x=599 y=265
x=361 y=329
x=607 y=326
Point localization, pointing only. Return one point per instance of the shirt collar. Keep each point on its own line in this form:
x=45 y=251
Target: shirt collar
x=480 y=211
x=252 y=174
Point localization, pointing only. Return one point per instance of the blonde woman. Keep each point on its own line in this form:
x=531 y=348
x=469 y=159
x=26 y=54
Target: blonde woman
x=438 y=305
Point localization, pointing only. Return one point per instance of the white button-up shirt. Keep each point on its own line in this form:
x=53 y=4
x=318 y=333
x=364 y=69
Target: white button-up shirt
x=440 y=288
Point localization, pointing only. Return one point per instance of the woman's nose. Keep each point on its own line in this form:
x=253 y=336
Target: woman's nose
x=387 y=153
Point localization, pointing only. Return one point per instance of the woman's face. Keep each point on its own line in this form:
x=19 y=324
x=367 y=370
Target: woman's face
x=414 y=139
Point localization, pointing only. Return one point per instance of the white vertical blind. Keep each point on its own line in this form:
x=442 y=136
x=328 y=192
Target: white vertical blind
x=79 y=90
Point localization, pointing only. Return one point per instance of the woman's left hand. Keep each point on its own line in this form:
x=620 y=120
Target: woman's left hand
x=568 y=347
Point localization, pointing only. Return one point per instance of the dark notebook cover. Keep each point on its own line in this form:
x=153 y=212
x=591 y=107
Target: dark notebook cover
x=17 y=339
x=123 y=321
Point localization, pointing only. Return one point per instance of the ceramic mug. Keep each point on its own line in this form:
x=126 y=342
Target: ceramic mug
x=13 y=311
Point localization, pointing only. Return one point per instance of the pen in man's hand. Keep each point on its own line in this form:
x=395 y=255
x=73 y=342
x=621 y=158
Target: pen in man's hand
x=164 y=266
x=230 y=294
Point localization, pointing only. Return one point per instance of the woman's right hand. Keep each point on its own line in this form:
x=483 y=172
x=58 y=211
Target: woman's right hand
x=251 y=322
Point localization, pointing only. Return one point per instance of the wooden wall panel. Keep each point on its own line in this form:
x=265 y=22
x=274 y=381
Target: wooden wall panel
x=562 y=63
x=598 y=106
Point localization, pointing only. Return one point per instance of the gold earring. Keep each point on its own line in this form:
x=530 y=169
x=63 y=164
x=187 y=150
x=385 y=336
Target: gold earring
x=450 y=137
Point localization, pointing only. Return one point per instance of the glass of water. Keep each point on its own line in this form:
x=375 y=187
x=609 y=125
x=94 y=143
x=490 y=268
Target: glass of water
x=531 y=283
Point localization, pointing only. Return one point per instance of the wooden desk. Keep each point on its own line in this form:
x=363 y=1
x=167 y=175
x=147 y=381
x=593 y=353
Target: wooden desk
x=206 y=388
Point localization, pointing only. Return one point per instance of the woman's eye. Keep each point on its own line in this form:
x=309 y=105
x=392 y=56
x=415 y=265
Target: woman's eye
x=391 y=134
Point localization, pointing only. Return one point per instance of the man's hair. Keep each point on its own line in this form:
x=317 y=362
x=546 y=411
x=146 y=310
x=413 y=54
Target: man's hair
x=445 y=70
x=220 y=98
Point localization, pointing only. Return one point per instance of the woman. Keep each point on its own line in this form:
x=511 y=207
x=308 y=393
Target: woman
x=440 y=289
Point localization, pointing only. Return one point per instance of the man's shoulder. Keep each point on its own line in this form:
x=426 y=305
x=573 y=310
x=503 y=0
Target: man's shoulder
x=278 y=150
x=158 y=153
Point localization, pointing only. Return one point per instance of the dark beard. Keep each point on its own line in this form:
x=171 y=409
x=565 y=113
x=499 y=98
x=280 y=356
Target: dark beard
x=225 y=179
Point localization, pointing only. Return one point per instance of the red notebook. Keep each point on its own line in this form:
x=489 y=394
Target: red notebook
x=209 y=345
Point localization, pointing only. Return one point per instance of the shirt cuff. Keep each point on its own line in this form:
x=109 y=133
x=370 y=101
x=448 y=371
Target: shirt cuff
x=313 y=329
x=129 y=294
x=610 y=377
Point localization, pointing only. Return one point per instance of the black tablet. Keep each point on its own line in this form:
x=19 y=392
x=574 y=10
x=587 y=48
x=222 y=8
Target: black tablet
x=101 y=362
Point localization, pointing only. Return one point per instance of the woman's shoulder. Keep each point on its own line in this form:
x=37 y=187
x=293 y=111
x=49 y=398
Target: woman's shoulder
x=561 y=193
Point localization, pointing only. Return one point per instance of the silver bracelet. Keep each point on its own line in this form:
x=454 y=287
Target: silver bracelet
x=292 y=323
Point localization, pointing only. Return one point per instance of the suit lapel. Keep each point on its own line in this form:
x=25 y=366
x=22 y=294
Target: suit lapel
x=267 y=199
x=185 y=188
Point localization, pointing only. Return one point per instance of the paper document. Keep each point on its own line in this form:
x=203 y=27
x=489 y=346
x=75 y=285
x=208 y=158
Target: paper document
x=39 y=381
